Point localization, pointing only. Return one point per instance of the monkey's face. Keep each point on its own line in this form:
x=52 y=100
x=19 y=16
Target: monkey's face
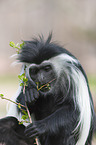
x=43 y=75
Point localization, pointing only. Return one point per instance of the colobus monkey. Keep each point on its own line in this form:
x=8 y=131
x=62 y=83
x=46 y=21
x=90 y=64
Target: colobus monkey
x=63 y=111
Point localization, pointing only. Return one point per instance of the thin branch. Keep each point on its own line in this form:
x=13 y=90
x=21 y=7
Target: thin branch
x=2 y=97
x=36 y=139
x=45 y=85
x=26 y=103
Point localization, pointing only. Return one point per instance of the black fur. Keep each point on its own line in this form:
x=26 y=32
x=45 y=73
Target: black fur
x=56 y=111
x=37 y=51
x=12 y=133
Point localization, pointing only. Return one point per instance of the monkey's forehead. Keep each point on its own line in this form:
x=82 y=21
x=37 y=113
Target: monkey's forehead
x=60 y=62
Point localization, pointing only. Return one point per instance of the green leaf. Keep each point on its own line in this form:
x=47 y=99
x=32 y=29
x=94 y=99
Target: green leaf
x=25 y=79
x=21 y=45
x=1 y=95
x=17 y=45
x=24 y=112
x=12 y=44
x=19 y=106
x=21 y=76
x=24 y=117
x=21 y=84
x=20 y=122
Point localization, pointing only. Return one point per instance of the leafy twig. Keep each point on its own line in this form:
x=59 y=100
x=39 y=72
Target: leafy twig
x=45 y=85
x=17 y=46
x=25 y=84
x=19 y=105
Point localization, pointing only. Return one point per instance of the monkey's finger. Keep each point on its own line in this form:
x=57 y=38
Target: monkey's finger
x=31 y=95
x=29 y=127
x=36 y=94
x=27 y=97
x=32 y=135
x=27 y=131
x=31 y=131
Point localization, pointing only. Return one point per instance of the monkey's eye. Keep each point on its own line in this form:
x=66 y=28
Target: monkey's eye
x=33 y=71
x=47 y=68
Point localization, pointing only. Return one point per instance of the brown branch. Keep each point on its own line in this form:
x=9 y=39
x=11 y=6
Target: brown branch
x=45 y=85
x=36 y=139
x=2 y=97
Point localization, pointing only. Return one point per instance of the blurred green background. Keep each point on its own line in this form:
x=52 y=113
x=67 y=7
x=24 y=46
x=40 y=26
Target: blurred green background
x=73 y=24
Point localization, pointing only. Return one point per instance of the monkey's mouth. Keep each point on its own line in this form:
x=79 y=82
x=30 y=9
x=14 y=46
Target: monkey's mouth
x=44 y=87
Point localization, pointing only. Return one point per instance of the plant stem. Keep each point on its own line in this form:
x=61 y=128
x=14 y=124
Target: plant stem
x=45 y=85
x=2 y=97
x=36 y=139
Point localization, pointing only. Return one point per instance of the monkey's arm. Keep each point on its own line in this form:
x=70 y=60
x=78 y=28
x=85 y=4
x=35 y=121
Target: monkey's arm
x=11 y=132
x=63 y=119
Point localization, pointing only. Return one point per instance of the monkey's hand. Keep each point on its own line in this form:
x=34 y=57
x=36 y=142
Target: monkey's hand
x=35 y=129
x=31 y=93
